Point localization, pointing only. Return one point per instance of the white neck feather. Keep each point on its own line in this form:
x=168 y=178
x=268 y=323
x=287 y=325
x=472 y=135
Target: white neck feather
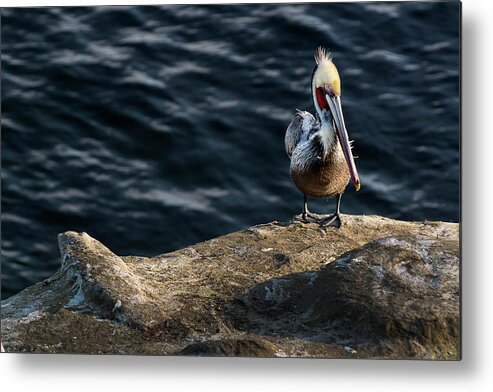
x=328 y=137
x=327 y=131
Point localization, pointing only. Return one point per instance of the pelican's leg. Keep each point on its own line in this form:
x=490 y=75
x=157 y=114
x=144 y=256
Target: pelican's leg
x=334 y=218
x=305 y=208
x=307 y=216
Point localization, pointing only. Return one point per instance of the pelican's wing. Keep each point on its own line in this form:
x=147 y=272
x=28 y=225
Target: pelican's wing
x=299 y=129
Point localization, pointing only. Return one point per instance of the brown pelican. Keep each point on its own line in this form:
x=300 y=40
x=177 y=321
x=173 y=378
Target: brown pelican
x=321 y=159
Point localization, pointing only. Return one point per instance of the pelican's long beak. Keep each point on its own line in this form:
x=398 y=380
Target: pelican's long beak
x=336 y=109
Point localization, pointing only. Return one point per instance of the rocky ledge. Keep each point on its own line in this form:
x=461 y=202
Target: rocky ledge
x=375 y=288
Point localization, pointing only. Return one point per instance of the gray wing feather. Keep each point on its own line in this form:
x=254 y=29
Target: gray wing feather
x=298 y=130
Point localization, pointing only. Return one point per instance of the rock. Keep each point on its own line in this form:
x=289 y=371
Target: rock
x=375 y=288
x=236 y=347
x=350 y=350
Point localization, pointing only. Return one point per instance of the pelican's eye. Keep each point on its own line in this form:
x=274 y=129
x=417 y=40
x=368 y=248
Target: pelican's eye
x=329 y=90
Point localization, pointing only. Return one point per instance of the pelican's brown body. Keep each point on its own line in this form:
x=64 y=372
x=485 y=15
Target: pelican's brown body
x=325 y=177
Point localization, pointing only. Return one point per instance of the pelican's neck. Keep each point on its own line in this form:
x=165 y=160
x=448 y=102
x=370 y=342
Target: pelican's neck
x=324 y=116
x=327 y=131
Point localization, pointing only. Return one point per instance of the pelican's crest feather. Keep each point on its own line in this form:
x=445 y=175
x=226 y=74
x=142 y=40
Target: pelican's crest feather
x=322 y=55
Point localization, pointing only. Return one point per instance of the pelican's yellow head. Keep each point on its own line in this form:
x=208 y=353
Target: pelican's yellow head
x=325 y=75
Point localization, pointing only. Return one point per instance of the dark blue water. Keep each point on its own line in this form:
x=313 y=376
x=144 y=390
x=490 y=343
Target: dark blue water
x=152 y=128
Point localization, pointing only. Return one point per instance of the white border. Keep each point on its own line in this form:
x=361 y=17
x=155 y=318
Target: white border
x=142 y=374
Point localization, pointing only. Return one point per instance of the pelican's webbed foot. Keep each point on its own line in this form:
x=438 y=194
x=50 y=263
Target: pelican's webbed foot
x=333 y=220
x=308 y=217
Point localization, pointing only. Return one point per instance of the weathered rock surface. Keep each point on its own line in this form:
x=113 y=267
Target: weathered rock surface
x=375 y=288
